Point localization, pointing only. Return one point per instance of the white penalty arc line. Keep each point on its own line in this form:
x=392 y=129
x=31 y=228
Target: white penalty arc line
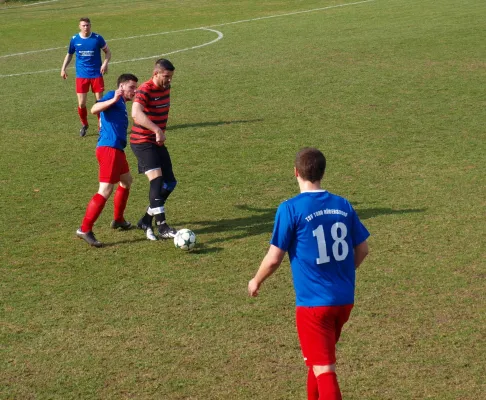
x=220 y=36
x=202 y=27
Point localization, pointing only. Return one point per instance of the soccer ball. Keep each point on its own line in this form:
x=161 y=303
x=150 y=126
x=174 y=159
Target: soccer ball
x=185 y=239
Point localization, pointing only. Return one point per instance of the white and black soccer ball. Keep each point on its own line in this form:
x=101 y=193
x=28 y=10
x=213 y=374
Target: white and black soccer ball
x=185 y=239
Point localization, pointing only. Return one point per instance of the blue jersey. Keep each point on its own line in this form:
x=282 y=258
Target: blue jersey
x=114 y=123
x=88 y=54
x=319 y=230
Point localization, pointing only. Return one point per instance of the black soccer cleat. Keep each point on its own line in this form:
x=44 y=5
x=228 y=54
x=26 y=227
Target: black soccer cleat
x=83 y=130
x=166 y=232
x=89 y=238
x=125 y=225
x=149 y=233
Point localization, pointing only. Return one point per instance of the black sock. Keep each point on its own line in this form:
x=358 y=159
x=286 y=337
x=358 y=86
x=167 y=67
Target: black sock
x=160 y=220
x=147 y=219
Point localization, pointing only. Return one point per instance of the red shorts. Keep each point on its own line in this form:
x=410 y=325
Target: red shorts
x=113 y=163
x=319 y=329
x=83 y=84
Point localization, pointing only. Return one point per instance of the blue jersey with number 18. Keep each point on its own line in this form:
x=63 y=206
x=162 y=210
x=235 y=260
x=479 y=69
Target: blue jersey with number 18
x=319 y=230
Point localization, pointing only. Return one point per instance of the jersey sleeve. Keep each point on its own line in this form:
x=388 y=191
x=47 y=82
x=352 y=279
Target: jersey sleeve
x=71 y=48
x=283 y=228
x=359 y=233
x=101 y=41
x=141 y=96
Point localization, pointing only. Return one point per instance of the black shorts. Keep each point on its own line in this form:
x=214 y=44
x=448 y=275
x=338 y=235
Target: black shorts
x=150 y=156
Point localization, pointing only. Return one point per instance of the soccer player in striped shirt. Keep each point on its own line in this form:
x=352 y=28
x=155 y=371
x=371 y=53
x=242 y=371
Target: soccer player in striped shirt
x=150 y=112
x=326 y=243
x=87 y=46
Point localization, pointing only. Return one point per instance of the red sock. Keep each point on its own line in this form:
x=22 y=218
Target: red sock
x=93 y=211
x=328 y=386
x=120 y=200
x=312 y=391
x=83 y=115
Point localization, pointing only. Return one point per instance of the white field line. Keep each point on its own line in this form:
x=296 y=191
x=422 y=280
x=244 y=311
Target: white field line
x=179 y=31
x=31 y=52
x=28 y=5
x=40 y=2
x=220 y=36
x=202 y=27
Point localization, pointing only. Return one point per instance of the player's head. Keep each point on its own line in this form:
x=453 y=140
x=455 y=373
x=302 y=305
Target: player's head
x=310 y=164
x=85 y=25
x=128 y=83
x=163 y=72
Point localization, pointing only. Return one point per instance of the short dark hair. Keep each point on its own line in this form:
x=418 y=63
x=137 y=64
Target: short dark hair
x=85 y=19
x=125 y=78
x=310 y=164
x=163 y=63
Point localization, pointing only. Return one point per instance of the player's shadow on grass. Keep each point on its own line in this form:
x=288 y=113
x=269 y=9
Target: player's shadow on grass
x=215 y=123
x=262 y=219
x=366 y=213
x=124 y=241
x=95 y=134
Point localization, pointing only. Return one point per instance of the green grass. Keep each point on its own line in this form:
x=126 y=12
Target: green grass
x=391 y=91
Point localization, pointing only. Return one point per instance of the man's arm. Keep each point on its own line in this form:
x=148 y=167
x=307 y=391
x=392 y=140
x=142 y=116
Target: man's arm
x=66 y=62
x=104 y=105
x=141 y=118
x=360 y=253
x=269 y=265
x=104 y=66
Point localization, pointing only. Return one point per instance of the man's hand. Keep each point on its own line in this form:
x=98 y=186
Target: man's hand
x=253 y=288
x=118 y=94
x=104 y=68
x=63 y=74
x=159 y=137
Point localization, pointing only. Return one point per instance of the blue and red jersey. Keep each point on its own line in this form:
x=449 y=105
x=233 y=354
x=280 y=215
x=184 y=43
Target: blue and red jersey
x=114 y=123
x=319 y=230
x=88 y=54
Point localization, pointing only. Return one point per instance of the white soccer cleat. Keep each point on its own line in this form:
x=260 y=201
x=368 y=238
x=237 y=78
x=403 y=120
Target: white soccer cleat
x=150 y=234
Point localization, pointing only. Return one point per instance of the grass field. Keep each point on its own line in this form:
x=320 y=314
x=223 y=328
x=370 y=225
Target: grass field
x=391 y=90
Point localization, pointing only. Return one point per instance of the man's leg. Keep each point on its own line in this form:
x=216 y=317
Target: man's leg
x=170 y=182
x=333 y=320
x=120 y=202
x=319 y=329
x=312 y=389
x=327 y=382
x=156 y=199
x=145 y=223
x=83 y=113
x=93 y=211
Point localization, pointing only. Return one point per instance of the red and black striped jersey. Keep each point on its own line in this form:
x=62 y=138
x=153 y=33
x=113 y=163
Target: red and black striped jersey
x=156 y=105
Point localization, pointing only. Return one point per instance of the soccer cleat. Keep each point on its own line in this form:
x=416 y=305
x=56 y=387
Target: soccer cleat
x=166 y=232
x=148 y=230
x=83 y=130
x=89 y=238
x=125 y=225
